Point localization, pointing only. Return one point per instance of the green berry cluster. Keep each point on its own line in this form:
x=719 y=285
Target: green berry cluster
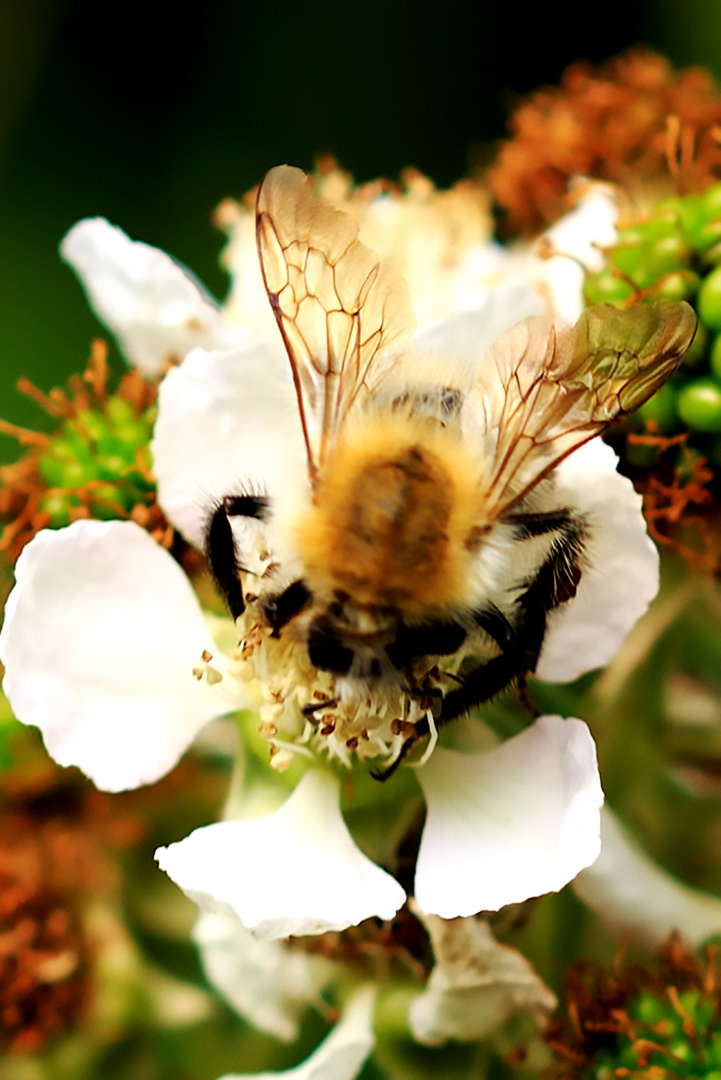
x=99 y=459
x=674 y=253
x=665 y=1037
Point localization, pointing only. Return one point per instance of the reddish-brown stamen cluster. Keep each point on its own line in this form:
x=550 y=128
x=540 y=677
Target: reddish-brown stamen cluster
x=632 y=120
x=23 y=490
x=600 y=1008
x=55 y=839
x=677 y=501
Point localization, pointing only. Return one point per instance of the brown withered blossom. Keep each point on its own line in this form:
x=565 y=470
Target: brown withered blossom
x=55 y=838
x=632 y=120
x=679 y=503
x=600 y=1011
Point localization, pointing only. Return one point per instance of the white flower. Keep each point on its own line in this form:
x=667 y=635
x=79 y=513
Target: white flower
x=575 y=244
x=525 y=816
x=341 y=1055
x=297 y=871
x=438 y=240
x=500 y=829
x=268 y=983
x=634 y=895
x=155 y=307
x=101 y=639
x=101 y=633
x=477 y=984
x=107 y=686
x=103 y=663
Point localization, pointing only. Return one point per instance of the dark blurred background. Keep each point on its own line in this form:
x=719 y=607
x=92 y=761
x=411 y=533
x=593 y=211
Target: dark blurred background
x=149 y=116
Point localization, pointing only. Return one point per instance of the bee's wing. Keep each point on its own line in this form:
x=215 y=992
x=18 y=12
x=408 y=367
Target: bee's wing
x=335 y=304
x=544 y=390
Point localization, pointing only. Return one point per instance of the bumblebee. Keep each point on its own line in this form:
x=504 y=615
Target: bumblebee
x=432 y=525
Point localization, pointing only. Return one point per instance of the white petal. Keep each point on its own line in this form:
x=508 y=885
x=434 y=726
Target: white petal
x=269 y=983
x=157 y=310
x=622 y=574
x=516 y=822
x=465 y=337
x=579 y=239
x=636 y=896
x=477 y=984
x=247 y=301
x=101 y=633
x=342 y=1053
x=227 y=423
x=296 y=871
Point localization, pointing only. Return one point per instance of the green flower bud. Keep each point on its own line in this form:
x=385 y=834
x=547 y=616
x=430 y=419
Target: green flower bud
x=708 y=235
x=659 y=411
x=119 y=411
x=699 y=405
x=711 y=202
x=678 y=285
x=58 y=507
x=669 y=253
x=607 y=287
x=697 y=353
x=709 y=300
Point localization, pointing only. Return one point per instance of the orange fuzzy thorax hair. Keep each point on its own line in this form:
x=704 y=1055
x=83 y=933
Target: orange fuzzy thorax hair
x=395 y=518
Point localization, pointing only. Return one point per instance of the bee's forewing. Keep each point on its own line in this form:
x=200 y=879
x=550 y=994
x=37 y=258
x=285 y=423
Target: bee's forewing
x=335 y=304
x=544 y=390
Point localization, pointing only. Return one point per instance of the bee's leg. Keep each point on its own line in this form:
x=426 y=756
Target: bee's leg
x=278 y=610
x=524 y=696
x=558 y=578
x=429 y=639
x=422 y=728
x=220 y=546
x=310 y=710
x=494 y=622
x=556 y=581
x=444 y=638
x=481 y=685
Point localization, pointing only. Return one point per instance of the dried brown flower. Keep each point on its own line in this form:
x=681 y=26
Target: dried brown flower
x=632 y=120
x=601 y=1007
x=56 y=835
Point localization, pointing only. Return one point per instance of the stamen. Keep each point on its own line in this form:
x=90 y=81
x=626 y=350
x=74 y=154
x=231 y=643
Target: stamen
x=433 y=732
x=277 y=745
x=212 y=675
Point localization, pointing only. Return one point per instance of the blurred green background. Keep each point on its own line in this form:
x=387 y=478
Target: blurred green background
x=149 y=116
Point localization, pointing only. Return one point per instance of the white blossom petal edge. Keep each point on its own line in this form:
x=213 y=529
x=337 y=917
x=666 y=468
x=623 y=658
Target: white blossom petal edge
x=342 y=1053
x=517 y=822
x=578 y=238
x=621 y=575
x=477 y=984
x=296 y=871
x=267 y=982
x=100 y=637
x=154 y=306
x=633 y=894
x=227 y=422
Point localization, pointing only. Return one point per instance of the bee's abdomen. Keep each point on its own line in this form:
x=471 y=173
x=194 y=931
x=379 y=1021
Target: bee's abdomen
x=392 y=512
x=397 y=514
